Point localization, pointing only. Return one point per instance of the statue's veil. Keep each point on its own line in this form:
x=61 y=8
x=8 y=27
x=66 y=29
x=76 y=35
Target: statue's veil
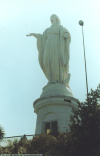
x=56 y=17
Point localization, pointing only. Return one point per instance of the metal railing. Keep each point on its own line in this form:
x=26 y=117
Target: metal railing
x=19 y=136
x=12 y=138
x=22 y=137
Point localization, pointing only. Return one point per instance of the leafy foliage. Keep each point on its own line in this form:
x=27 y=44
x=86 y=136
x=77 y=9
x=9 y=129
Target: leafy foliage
x=2 y=134
x=24 y=137
x=42 y=144
x=85 y=125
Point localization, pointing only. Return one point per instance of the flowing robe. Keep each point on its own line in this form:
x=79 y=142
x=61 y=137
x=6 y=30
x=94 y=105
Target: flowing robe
x=53 y=55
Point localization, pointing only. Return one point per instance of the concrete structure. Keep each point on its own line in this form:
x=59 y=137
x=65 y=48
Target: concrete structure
x=53 y=113
x=53 y=109
x=54 y=106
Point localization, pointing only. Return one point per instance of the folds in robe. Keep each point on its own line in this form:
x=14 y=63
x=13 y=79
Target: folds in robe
x=54 y=53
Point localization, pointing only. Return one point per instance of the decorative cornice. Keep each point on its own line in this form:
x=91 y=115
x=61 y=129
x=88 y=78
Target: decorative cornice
x=54 y=100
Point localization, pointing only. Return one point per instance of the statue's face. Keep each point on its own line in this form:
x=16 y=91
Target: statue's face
x=53 y=20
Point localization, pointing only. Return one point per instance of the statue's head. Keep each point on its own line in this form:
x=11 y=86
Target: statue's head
x=54 y=19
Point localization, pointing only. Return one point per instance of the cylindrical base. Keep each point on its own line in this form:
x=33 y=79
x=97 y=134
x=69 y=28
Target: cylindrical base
x=53 y=113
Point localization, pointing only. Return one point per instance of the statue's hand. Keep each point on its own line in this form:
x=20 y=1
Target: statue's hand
x=30 y=34
x=66 y=35
x=33 y=34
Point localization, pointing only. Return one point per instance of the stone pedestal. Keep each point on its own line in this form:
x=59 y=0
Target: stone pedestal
x=53 y=109
x=56 y=90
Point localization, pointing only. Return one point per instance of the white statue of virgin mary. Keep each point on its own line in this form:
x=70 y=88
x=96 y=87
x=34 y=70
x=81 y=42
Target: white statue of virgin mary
x=53 y=46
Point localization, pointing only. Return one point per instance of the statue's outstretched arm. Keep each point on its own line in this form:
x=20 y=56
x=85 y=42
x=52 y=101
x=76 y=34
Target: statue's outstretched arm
x=33 y=34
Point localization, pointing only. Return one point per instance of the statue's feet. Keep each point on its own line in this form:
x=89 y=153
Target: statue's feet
x=60 y=82
x=54 y=82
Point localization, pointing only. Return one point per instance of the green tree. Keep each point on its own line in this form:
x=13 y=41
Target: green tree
x=23 y=137
x=2 y=134
x=85 y=127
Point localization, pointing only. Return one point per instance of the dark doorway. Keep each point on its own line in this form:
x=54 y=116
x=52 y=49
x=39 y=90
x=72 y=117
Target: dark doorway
x=54 y=126
x=52 y=129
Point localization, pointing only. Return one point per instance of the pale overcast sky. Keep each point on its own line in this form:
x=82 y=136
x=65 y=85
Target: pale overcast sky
x=21 y=78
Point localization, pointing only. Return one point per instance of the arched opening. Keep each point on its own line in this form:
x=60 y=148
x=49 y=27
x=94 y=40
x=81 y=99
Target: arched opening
x=50 y=124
